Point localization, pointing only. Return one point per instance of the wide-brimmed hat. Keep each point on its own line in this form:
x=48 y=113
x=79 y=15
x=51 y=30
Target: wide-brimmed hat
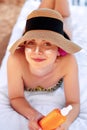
x=46 y=24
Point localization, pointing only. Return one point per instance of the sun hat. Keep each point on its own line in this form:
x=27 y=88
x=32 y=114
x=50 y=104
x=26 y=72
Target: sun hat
x=46 y=24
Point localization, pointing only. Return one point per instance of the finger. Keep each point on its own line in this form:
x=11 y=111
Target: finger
x=34 y=126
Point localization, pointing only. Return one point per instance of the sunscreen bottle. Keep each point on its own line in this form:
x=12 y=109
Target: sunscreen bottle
x=54 y=118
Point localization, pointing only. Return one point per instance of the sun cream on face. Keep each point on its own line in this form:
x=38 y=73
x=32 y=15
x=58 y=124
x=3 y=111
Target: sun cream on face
x=37 y=50
x=41 y=60
x=27 y=52
x=43 y=67
x=47 y=53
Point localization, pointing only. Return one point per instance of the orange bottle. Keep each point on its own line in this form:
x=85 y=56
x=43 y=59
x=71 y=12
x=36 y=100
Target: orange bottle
x=54 y=118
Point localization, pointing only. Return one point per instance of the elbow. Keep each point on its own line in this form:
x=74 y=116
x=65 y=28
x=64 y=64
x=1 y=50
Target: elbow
x=75 y=107
x=14 y=102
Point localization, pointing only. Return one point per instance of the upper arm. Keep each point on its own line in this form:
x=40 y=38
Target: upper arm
x=71 y=81
x=14 y=74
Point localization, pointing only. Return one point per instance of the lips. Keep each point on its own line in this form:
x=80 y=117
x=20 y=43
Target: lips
x=38 y=59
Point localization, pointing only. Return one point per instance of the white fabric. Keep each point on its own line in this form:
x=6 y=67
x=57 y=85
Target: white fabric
x=10 y=119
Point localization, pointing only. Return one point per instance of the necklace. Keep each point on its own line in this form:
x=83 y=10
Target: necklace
x=40 y=88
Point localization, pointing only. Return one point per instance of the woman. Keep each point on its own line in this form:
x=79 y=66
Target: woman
x=39 y=62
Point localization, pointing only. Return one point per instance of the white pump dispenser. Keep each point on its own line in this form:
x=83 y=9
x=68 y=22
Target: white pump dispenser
x=66 y=110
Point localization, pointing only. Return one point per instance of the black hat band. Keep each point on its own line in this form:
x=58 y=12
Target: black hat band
x=44 y=23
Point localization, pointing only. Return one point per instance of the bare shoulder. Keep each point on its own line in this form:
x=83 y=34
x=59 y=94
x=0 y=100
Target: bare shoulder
x=17 y=56
x=69 y=63
x=15 y=74
x=16 y=59
x=70 y=58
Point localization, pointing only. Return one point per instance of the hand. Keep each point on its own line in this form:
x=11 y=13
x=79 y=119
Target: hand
x=33 y=124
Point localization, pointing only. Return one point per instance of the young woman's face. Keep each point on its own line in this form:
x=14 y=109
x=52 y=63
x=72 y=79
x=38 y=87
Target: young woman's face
x=40 y=53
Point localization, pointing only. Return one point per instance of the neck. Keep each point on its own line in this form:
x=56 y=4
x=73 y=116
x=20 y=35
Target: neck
x=41 y=71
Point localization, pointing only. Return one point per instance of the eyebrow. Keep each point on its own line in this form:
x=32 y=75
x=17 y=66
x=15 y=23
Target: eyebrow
x=32 y=40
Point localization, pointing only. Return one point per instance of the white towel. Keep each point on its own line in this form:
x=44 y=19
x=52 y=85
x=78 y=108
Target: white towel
x=10 y=119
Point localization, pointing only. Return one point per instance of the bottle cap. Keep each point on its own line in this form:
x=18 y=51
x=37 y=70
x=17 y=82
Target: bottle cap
x=66 y=110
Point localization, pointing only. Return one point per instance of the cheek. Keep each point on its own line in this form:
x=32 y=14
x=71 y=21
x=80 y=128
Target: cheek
x=27 y=50
x=48 y=52
x=51 y=54
x=27 y=53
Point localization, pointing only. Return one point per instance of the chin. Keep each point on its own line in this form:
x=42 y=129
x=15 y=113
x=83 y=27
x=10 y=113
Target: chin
x=40 y=70
x=39 y=73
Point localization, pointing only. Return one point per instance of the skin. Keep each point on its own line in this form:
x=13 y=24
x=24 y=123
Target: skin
x=23 y=70
x=60 y=5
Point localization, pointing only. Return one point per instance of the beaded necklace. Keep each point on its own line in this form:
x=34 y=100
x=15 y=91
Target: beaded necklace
x=39 y=88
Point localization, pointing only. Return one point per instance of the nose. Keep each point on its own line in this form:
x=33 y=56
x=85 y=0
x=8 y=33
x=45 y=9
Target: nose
x=38 y=49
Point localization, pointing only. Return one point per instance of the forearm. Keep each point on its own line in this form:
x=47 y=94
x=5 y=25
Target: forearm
x=21 y=105
x=73 y=114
